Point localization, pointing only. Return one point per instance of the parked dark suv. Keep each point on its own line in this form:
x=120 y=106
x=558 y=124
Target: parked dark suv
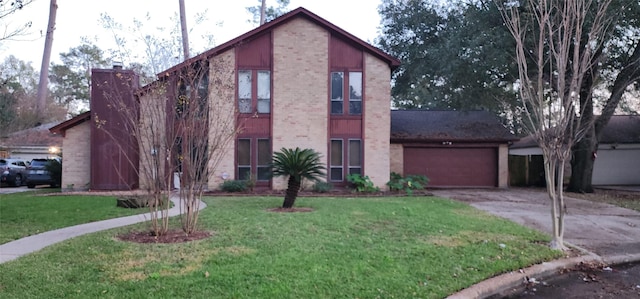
x=39 y=174
x=13 y=171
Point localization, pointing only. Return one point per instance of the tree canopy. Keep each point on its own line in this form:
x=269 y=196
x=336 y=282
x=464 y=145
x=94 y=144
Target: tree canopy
x=457 y=56
x=71 y=80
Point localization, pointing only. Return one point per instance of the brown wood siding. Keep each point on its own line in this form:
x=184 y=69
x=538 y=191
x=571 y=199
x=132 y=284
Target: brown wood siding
x=346 y=127
x=254 y=126
x=343 y=55
x=459 y=167
x=255 y=54
x=114 y=150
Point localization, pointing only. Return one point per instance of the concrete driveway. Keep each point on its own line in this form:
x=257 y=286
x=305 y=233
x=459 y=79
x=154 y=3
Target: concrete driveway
x=603 y=229
x=7 y=190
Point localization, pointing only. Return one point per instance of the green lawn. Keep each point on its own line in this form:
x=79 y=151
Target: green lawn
x=29 y=213
x=404 y=247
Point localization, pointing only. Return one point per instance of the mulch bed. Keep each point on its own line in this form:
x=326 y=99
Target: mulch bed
x=290 y=210
x=172 y=236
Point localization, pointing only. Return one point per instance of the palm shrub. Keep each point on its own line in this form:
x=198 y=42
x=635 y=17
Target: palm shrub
x=298 y=164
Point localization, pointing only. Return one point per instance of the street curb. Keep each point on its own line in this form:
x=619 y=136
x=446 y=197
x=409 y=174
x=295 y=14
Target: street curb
x=513 y=280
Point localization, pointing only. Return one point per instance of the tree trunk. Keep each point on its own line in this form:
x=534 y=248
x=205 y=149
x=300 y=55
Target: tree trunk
x=292 y=193
x=183 y=27
x=584 y=152
x=582 y=164
x=43 y=89
x=262 y=11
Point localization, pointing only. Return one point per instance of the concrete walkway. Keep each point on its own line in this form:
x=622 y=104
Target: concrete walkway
x=607 y=234
x=15 y=249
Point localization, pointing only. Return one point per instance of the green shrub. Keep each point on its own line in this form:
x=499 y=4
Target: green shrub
x=407 y=184
x=361 y=183
x=322 y=187
x=234 y=186
x=54 y=167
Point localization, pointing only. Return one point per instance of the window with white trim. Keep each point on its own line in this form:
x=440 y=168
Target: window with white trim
x=254 y=96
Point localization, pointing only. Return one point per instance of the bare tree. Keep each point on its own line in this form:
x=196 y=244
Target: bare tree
x=46 y=59
x=8 y=8
x=136 y=127
x=205 y=124
x=555 y=52
x=182 y=124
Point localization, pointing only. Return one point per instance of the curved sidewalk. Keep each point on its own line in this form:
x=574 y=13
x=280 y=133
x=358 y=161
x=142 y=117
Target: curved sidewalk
x=15 y=249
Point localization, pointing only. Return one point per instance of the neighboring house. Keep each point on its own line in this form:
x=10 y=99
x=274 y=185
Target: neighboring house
x=452 y=148
x=33 y=143
x=617 y=161
x=314 y=86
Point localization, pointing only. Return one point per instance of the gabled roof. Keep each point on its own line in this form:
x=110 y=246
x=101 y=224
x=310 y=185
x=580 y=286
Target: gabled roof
x=443 y=126
x=620 y=129
x=296 y=13
x=36 y=136
x=62 y=127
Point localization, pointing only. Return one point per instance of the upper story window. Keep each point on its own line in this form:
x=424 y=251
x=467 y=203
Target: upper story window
x=254 y=96
x=193 y=92
x=346 y=90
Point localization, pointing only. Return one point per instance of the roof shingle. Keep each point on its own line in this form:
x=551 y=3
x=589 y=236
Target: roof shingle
x=436 y=126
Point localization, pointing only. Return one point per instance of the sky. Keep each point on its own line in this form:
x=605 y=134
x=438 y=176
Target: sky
x=226 y=19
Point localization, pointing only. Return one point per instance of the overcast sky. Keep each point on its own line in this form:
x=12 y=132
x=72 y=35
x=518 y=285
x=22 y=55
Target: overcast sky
x=78 y=18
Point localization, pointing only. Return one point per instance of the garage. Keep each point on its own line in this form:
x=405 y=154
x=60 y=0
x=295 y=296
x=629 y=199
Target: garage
x=453 y=167
x=451 y=148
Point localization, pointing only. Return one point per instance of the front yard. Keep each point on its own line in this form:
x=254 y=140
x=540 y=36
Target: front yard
x=387 y=247
x=33 y=212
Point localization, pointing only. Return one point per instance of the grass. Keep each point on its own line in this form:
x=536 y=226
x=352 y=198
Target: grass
x=29 y=213
x=405 y=247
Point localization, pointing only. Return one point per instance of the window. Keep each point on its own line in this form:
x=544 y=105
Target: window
x=336 y=92
x=355 y=93
x=337 y=162
x=254 y=95
x=193 y=93
x=264 y=91
x=244 y=91
x=244 y=159
x=264 y=159
x=355 y=156
x=351 y=83
x=253 y=158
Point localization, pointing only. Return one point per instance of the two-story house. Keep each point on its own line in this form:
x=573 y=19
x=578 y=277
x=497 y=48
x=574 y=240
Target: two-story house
x=297 y=81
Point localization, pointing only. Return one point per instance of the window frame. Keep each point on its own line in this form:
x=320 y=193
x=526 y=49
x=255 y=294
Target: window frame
x=346 y=167
x=254 y=165
x=345 y=99
x=254 y=95
x=331 y=157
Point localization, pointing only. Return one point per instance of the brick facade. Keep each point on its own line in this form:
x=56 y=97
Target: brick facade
x=396 y=157
x=222 y=125
x=76 y=167
x=300 y=88
x=377 y=120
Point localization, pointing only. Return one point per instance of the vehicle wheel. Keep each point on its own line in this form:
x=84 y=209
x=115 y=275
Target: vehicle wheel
x=30 y=186
x=17 y=181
